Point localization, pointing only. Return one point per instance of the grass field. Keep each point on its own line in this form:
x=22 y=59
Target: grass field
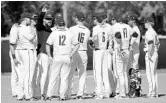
x=6 y=96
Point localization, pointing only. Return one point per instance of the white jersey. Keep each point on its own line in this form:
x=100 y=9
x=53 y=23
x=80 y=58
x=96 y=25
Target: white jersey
x=13 y=34
x=82 y=34
x=126 y=36
x=23 y=37
x=135 y=45
x=62 y=41
x=151 y=35
x=116 y=28
x=103 y=32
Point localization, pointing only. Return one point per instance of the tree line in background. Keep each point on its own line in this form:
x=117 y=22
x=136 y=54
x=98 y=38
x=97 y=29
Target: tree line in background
x=11 y=11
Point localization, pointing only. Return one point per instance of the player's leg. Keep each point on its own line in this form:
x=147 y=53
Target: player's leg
x=74 y=64
x=148 y=73
x=153 y=66
x=14 y=77
x=126 y=70
x=116 y=81
x=64 y=74
x=53 y=75
x=105 y=75
x=98 y=64
x=29 y=64
x=120 y=74
x=82 y=66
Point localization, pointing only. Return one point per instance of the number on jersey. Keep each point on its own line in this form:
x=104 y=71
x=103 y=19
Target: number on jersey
x=62 y=39
x=125 y=32
x=81 y=37
x=103 y=37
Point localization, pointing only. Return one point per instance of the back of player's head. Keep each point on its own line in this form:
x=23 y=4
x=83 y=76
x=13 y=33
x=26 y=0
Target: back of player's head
x=101 y=16
x=118 y=35
x=135 y=35
x=80 y=16
x=149 y=20
x=60 y=22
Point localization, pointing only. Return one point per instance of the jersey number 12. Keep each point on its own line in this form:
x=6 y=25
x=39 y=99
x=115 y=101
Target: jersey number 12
x=62 y=39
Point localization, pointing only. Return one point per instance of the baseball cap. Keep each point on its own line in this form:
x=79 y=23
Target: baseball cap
x=101 y=16
x=60 y=22
x=149 y=20
x=48 y=16
x=26 y=15
x=79 y=16
x=94 y=16
x=132 y=17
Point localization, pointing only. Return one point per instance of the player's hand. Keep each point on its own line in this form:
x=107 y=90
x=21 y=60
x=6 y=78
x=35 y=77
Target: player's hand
x=50 y=59
x=71 y=57
x=123 y=54
x=111 y=51
x=45 y=9
x=16 y=62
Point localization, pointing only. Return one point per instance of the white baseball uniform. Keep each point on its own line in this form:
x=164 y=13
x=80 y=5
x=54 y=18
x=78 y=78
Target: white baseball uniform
x=62 y=41
x=80 y=58
x=126 y=37
x=15 y=69
x=134 y=51
x=26 y=50
x=151 y=61
x=102 y=32
x=116 y=47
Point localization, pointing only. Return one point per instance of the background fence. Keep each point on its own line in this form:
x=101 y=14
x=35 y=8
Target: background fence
x=6 y=65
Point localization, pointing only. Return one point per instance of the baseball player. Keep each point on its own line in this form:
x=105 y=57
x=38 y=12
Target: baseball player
x=122 y=33
x=101 y=35
x=80 y=58
x=134 y=43
x=26 y=56
x=62 y=40
x=15 y=69
x=151 y=57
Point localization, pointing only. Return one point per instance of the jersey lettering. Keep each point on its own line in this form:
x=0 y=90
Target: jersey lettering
x=62 y=39
x=81 y=37
x=103 y=37
x=125 y=32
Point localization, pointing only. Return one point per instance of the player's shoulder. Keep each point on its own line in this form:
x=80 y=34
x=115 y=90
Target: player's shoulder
x=96 y=27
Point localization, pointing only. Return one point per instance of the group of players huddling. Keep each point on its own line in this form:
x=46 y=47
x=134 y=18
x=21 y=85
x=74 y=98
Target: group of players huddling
x=115 y=56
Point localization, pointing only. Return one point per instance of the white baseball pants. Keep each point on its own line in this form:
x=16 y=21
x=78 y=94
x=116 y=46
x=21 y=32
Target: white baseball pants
x=28 y=60
x=151 y=73
x=61 y=66
x=80 y=60
x=101 y=74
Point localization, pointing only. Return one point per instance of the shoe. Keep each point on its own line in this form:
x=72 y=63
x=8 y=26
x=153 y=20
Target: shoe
x=80 y=97
x=47 y=98
x=113 y=95
x=14 y=96
x=20 y=98
x=29 y=99
x=121 y=97
x=62 y=99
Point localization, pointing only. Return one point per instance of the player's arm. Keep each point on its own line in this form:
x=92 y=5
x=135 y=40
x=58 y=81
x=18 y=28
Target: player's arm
x=13 y=40
x=110 y=42
x=76 y=45
x=91 y=42
x=134 y=36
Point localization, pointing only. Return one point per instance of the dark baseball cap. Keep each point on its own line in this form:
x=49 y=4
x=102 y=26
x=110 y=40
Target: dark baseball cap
x=79 y=16
x=58 y=15
x=26 y=15
x=131 y=17
x=149 y=20
x=48 y=16
x=60 y=22
x=95 y=15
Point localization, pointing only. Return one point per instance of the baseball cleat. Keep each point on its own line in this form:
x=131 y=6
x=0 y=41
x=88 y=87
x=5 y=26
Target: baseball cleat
x=80 y=97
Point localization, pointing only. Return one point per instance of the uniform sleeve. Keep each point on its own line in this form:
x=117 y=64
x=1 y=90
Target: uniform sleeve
x=50 y=39
x=74 y=39
x=13 y=34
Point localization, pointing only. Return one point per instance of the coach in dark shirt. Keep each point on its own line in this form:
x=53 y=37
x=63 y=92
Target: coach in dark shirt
x=44 y=29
